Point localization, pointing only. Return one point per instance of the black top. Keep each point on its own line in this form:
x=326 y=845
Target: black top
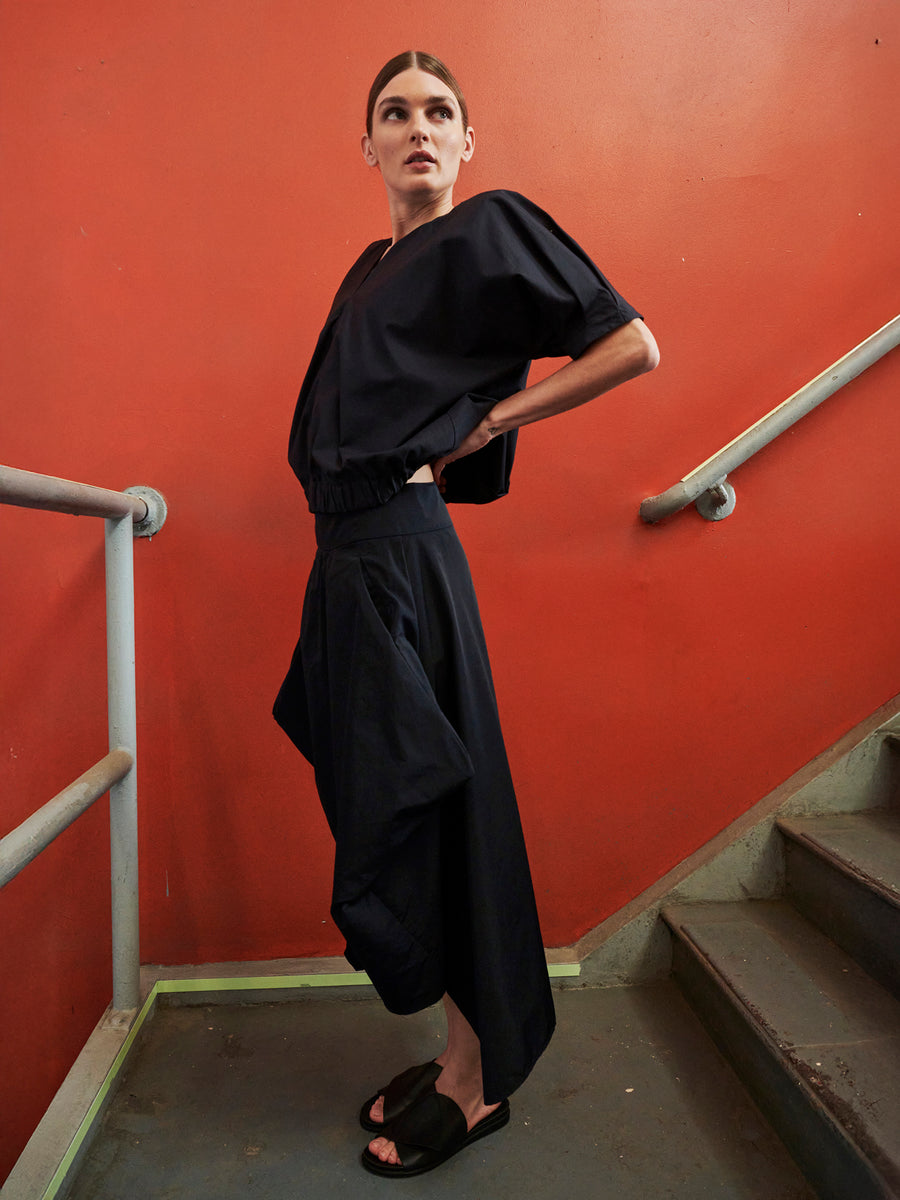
x=420 y=344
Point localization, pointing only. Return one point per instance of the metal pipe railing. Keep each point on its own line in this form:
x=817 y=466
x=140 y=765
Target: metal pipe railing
x=707 y=484
x=121 y=694
x=27 y=489
x=136 y=512
x=26 y=841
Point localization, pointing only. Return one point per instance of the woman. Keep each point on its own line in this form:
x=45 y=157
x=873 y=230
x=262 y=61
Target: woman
x=416 y=388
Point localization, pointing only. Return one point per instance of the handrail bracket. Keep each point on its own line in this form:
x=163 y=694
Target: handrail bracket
x=717 y=502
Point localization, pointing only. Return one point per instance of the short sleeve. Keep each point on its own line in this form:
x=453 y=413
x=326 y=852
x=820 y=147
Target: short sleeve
x=539 y=290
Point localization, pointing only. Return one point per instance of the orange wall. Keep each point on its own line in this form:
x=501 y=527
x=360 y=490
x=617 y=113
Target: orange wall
x=183 y=194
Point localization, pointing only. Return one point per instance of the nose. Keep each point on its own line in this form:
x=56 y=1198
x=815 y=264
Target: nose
x=419 y=130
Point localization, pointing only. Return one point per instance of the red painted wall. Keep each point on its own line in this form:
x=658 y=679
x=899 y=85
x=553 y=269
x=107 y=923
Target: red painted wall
x=183 y=194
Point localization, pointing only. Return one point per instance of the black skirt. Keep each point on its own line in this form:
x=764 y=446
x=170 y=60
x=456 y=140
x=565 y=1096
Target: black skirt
x=389 y=696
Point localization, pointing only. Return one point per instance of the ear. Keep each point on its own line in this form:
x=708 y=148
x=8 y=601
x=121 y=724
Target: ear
x=368 y=151
x=469 y=148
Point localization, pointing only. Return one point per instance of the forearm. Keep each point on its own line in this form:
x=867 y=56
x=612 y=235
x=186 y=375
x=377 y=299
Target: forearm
x=621 y=355
x=614 y=359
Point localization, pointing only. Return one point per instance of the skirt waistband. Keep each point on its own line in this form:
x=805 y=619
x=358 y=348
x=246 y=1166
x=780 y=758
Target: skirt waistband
x=416 y=508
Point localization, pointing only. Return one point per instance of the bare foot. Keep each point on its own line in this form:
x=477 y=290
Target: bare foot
x=385 y=1150
x=460 y=1079
x=376 y=1112
x=470 y=1101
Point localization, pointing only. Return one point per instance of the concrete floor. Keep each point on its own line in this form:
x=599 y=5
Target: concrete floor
x=260 y=1101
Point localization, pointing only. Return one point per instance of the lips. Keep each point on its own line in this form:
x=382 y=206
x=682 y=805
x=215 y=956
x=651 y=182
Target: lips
x=420 y=156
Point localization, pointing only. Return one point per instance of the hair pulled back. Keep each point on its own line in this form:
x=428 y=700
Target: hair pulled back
x=424 y=62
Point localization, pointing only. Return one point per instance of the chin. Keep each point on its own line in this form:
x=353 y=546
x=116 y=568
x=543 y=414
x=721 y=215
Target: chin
x=422 y=188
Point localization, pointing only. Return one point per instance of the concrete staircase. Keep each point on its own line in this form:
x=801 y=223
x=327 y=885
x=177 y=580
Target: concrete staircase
x=802 y=996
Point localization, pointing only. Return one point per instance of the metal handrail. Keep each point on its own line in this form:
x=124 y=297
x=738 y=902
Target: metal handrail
x=27 y=489
x=36 y=832
x=136 y=512
x=707 y=485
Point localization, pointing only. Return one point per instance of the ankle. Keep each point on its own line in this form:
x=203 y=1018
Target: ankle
x=465 y=1087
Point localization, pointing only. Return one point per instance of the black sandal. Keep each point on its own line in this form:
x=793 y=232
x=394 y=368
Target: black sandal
x=429 y=1133
x=402 y=1092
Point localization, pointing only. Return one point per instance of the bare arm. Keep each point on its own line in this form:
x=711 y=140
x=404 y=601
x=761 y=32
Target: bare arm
x=628 y=351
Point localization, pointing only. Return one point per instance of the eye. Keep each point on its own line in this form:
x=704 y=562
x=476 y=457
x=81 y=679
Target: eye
x=443 y=114
x=394 y=114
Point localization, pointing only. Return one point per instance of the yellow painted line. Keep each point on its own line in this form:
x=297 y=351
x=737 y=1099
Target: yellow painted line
x=274 y=982
x=262 y=983
x=271 y=983
x=91 y=1115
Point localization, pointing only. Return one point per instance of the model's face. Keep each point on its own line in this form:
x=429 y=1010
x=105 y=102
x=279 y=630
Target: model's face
x=418 y=139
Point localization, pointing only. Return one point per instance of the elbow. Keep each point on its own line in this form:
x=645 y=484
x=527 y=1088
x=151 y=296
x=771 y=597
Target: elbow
x=645 y=353
x=628 y=351
x=633 y=349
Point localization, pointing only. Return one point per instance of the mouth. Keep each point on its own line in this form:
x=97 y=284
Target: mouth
x=419 y=156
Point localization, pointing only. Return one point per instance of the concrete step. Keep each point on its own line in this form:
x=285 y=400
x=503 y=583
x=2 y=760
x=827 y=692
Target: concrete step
x=814 y=1038
x=842 y=871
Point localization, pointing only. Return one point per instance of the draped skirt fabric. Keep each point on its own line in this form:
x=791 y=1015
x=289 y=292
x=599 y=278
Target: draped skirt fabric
x=389 y=696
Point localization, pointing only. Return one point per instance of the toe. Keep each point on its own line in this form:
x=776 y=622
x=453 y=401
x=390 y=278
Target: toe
x=385 y=1150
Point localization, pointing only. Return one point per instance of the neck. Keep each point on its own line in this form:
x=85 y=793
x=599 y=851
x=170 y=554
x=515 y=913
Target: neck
x=409 y=212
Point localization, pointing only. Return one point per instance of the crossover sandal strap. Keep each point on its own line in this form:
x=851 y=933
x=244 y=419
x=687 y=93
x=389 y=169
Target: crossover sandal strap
x=433 y=1128
x=407 y=1088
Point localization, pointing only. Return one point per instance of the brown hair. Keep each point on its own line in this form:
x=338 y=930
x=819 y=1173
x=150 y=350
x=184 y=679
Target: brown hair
x=424 y=62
